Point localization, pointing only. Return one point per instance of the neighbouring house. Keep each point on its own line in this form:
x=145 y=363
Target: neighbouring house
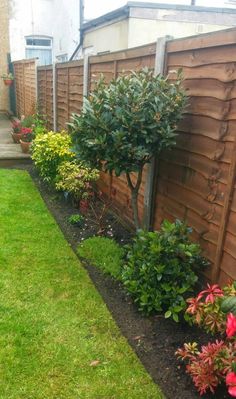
x=44 y=29
x=138 y=23
x=4 y=51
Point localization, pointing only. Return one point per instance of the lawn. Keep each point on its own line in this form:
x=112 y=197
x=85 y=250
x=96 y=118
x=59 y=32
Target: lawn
x=57 y=338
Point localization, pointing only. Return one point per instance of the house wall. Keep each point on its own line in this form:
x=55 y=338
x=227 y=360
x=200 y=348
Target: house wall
x=145 y=25
x=111 y=37
x=4 y=49
x=58 y=19
x=143 y=31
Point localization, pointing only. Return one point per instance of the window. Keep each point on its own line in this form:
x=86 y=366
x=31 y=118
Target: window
x=39 y=47
x=62 y=58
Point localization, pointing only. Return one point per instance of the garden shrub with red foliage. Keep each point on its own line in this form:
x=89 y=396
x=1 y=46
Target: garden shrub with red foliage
x=209 y=308
x=214 y=363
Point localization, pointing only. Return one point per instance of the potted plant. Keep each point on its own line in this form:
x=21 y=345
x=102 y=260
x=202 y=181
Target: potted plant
x=16 y=131
x=8 y=78
x=26 y=139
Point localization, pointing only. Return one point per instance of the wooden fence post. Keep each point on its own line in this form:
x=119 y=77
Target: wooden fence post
x=151 y=167
x=54 y=88
x=36 y=85
x=225 y=217
x=86 y=77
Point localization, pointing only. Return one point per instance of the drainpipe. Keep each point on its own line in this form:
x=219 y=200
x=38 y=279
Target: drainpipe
x=81 y=21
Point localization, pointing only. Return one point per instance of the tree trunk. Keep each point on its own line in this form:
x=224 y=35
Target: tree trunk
x=134 y=189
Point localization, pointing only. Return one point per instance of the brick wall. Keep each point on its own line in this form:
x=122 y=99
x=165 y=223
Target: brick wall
x=4 y=49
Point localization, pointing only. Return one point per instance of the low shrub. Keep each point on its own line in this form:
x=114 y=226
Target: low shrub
x=103 y=253
x=77 y=220
x=159 y=272
x=209 y=309
x=27 y=121
x=49 y=151
x=215 y=363
x=76 y=178
x=39 y=124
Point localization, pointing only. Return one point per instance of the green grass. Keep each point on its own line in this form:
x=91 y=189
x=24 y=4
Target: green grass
x=104 y=253
x=53 y=322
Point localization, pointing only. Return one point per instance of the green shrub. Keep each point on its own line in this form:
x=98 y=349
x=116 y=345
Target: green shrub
x=27 y=121
x=77 y=219
x=125 y=123
x=76 y=178
x=104 y=253
x=49 y=151
x=159 y=272
x=39 y=124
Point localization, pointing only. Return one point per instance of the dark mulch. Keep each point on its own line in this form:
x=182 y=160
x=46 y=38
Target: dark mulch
x=154 y=339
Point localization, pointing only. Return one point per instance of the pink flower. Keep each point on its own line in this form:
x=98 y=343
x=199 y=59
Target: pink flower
x=231 y=382
x=231 y=325
x=212 y=291
x=26 y=130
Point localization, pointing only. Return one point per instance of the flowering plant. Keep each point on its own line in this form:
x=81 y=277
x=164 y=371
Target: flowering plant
x=7 y=76
x=209 y=308
x=16 y=126
x=214 y=363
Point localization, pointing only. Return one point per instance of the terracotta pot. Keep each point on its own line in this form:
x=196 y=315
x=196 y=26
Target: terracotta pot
x=25 y=147
x=8 y=82
x=16 y=137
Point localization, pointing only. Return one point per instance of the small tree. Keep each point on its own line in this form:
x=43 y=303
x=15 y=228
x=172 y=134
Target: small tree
x=124 y=124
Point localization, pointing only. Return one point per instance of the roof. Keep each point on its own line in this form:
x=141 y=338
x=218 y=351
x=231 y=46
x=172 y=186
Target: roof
x=123 y=12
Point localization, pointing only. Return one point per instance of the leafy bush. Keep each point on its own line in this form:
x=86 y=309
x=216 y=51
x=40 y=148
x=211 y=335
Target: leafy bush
x=77 y=219
x=27 y=121
x=76 y=179
x=49 y=151
x=214 y=363
x=123 y=125
x=160 y=269
x=39 y=124
x=104 y=253
x=209 y=308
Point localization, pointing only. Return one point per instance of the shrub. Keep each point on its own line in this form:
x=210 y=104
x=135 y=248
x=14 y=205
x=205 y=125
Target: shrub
x=214 y=363
x=49 y=151
x=104 y=253
x=27 y=121
x=209 y=308
x=123 y=125
x=39 y=124
x=77 y=220
x=76 y=178
x=159 y=272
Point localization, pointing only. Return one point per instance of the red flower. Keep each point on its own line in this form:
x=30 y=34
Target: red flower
x=26 y=130
x=231 y=382
x=212 y=291
x=231 y=325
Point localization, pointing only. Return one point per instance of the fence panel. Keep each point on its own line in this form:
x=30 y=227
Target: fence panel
x=193 y=179
x=25 y=86
x=45 y=93
x=69 y=89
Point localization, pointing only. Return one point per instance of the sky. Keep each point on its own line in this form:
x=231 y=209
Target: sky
x=95 y=8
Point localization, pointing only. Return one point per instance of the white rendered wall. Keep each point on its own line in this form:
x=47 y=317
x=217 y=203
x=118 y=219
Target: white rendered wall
x=58 y=19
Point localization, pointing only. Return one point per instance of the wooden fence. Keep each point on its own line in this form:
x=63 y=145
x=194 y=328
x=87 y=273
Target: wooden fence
x=25 y=73
x=196 y=181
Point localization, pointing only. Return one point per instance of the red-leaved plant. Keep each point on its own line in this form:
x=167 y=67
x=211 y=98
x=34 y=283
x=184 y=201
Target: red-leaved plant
x=214 y=363
x=206 y=310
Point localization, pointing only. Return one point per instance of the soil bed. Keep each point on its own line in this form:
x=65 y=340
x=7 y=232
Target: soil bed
x=154 y=339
